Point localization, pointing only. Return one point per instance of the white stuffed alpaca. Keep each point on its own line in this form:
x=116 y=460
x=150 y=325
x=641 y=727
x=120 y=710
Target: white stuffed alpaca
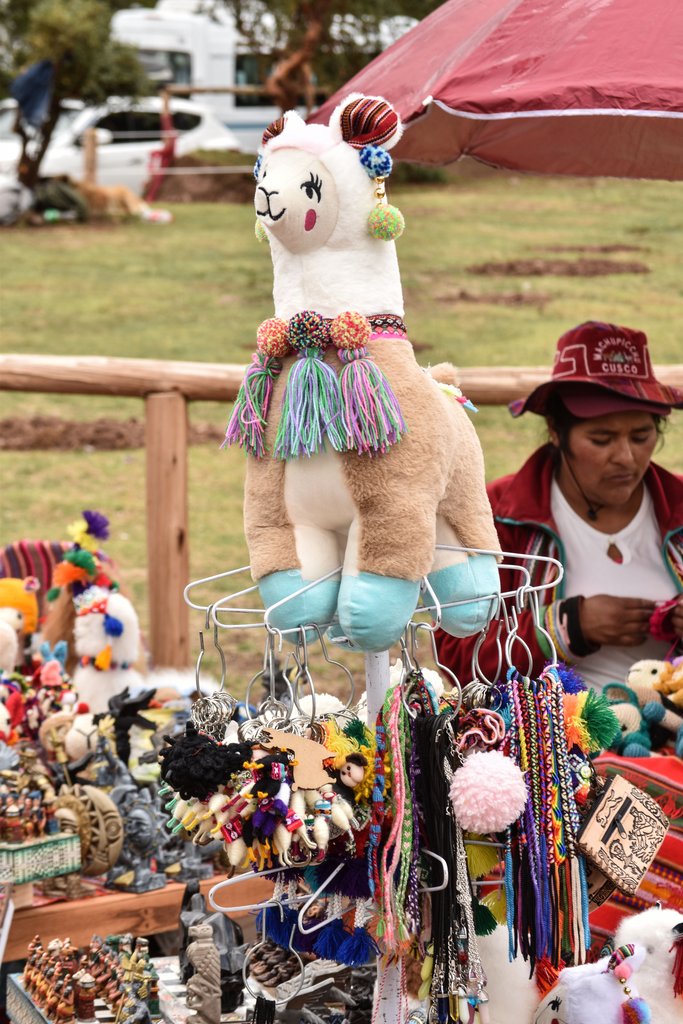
x=357 y=457
x=605 y=992
x=660 y=931
x=106 y=638
x=9 y=647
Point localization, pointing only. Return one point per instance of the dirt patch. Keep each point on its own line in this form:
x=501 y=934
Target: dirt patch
x=557 y=268
x=595 y=248
x=205 y=188
x=45 y=433
x=536 y=299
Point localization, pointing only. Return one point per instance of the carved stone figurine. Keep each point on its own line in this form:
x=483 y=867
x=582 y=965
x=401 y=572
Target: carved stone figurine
x=204 y=987
x=85 y=998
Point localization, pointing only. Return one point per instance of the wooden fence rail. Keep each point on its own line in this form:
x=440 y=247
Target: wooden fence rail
x=167 y=387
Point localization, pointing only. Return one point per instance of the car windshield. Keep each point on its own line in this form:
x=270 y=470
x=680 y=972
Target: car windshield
x=8 y=116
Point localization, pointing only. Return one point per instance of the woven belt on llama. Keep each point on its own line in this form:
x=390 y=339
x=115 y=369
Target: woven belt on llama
x=355 y=410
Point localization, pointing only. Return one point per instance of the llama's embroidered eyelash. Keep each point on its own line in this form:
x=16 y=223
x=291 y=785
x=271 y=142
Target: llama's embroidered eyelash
x=313 y=186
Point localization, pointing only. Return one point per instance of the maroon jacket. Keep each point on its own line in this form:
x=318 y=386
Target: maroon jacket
x=521 y=509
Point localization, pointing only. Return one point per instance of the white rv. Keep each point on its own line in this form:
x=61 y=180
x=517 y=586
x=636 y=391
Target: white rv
x=178 y=46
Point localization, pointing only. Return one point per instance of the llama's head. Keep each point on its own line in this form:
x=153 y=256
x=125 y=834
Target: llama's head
x=106 y=631
x=315 y=184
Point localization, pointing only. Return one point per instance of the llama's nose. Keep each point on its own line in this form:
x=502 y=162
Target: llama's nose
x=266 y=193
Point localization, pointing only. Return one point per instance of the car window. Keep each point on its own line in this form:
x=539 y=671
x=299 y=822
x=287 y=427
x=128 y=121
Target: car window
x=8 y=116
x=185 y=122
x=132 y=125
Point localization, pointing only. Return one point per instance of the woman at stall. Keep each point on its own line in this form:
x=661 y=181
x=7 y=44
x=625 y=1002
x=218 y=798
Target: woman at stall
x=593 y=498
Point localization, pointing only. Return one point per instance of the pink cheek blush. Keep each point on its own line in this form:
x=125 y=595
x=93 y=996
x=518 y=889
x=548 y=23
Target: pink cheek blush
x=311 y=218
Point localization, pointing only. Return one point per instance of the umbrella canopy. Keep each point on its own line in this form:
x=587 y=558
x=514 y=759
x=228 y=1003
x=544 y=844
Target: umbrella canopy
x=586 y=87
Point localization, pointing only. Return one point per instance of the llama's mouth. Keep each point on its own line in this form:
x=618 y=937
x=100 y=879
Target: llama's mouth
x=268 y=212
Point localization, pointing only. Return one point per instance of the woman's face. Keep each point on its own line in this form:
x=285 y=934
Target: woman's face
x=610 y=454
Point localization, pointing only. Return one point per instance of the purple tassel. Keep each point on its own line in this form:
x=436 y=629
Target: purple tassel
x=357 y=949
x=372 y=415
x=329 y=940
x=248 y=421
x=98 y=525
x=571 y=680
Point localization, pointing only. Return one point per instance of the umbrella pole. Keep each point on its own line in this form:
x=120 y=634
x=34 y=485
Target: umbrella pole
x=388 y=991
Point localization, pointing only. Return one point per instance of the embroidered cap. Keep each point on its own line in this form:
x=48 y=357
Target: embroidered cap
x=602 y=368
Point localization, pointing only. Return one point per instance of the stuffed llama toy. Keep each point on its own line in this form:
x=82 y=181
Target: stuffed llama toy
x=357 y=458
x=660 y=979
x=603 y=992
x=106 y=635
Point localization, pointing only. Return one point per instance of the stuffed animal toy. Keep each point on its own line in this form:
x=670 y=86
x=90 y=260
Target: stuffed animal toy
x=670 y=682
x=650 y=680
x=634 y=737
x=660 y=979
x=19 y=607
x=106 y=635
x=604 y=991
x=357 y=458
x=9 y=647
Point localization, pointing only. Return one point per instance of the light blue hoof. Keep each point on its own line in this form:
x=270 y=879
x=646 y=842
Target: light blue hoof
x=474 y=578
x=317 y=605
x=374 y=610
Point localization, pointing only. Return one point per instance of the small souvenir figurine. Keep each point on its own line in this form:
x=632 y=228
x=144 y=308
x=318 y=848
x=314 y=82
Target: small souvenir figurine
x=85 y=998
x=14 y=826
x=204 y=987
x=153 y=997
x=65 y=1008
x=51 y=823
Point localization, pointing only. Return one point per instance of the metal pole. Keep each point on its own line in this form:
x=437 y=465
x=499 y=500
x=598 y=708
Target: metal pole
x=388 y=994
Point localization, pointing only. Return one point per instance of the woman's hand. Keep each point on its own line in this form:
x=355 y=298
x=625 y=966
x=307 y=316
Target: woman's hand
x=677 y=618
x=619 y=621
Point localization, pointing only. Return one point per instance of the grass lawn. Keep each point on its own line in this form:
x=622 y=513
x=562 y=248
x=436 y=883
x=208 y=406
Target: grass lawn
x=196 y=289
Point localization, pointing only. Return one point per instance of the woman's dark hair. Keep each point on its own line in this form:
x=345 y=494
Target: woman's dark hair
x=559 y=417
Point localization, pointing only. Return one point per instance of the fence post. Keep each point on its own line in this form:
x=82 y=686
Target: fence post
x=168 y=568
x=90 y=156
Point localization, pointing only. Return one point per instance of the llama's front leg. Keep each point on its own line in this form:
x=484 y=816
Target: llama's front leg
x=374 y=608
x=275 y=548
x=456 y=576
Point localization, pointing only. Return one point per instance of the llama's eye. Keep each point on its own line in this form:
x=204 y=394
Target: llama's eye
x=313 y=187
x=556 y=1003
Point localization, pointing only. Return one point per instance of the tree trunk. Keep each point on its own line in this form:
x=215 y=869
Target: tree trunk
x=29 y=166
x=292 y=75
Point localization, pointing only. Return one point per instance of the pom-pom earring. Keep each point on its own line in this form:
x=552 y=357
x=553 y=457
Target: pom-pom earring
x=372 y=415
x=248 y=421
x=260 y=232
x=385 y=222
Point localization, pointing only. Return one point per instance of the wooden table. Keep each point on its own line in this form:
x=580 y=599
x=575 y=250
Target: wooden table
x=146 y=913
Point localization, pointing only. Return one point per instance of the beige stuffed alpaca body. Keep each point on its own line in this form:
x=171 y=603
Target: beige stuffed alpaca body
x=374 y=511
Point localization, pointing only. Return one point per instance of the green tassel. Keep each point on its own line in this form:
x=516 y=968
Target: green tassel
x=53 y=593
x=484 y=920
x=601 y=722
x=83 y=559
x=311 y=408
x=355 y=730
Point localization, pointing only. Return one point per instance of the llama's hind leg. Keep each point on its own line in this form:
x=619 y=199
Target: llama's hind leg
x=456 y=576
x=274 y=550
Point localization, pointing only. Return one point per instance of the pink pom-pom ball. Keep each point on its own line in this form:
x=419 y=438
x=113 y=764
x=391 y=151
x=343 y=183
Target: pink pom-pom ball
x=350 y=330
x=488 y=793
x=272 y=339
x=623 y=971
x=308 y=330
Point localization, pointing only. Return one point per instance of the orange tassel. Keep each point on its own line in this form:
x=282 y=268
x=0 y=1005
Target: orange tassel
x=547 y=975
x=103 y=659
x=65 y=573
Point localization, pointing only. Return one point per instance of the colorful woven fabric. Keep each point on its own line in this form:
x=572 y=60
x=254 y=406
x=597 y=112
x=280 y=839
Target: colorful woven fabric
x=33 y=558
x=661 y=776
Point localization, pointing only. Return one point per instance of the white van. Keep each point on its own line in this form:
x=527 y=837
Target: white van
x=178 y=46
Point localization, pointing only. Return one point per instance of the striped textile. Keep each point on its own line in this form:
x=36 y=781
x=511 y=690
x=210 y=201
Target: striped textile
x=33 y=558
x=368 y=120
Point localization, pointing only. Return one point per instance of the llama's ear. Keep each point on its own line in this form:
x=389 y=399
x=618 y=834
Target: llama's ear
x=288 y=120
x=366 y=120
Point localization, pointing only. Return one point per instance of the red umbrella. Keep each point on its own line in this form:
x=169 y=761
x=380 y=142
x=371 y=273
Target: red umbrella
x=587 y=87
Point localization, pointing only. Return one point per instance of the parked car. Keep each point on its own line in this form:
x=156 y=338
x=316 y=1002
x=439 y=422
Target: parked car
x=126 y=133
